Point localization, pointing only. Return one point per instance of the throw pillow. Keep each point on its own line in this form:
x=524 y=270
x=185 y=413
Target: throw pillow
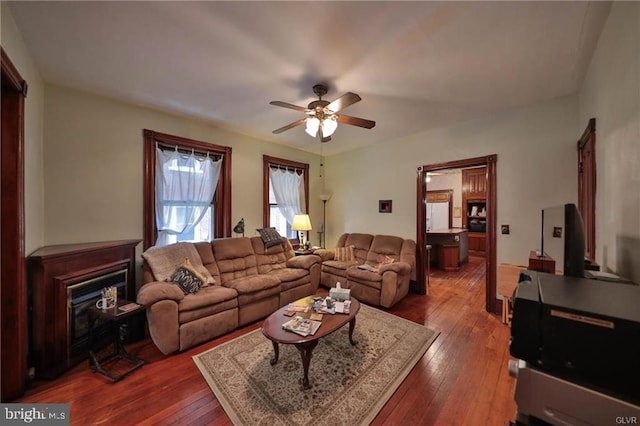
x=194 y=270
x=270 y=237
x=187 y=279
x=344 y=254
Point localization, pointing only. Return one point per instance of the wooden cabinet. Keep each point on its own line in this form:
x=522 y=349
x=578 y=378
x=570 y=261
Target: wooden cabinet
x=474 y=201
x=448 y=257
x=477 y=243
x=474 y=183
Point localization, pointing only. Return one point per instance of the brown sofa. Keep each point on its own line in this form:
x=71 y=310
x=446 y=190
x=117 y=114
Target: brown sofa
x=384 y=287
x=250 y=282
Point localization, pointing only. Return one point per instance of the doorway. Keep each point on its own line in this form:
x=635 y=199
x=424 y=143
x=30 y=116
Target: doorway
x=13 y=282
x=492 y=304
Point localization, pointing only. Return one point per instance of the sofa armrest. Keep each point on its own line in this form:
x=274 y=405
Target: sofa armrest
x=397 y=267
x=156 y=291
x=324 y=254
x=303 y=262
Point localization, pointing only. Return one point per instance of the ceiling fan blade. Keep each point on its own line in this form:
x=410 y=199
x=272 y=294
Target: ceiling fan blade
x=343 y=101
x=288 y=105
x=290 y=126
x=355 y=121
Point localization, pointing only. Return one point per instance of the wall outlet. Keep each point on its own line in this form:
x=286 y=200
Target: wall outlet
x=504 y=229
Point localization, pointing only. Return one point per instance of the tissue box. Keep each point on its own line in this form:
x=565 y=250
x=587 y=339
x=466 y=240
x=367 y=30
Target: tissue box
x=340 y=293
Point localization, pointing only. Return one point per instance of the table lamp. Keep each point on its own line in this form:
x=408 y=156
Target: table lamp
x=301 y=222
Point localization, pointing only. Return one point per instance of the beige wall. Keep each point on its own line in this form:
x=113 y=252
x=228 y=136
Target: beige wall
x=34 y=207
x=92 y=160
x=611 y=94
x=536 y=168
x=93 y=166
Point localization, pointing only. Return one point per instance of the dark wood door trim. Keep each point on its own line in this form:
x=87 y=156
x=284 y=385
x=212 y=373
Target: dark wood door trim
x=492 y=304
x=587 y=185
x=12 y=249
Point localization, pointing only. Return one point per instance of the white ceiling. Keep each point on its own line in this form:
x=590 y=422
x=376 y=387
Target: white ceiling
x=416 y=65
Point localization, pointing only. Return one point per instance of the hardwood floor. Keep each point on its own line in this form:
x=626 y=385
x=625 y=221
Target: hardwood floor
x=462 y=379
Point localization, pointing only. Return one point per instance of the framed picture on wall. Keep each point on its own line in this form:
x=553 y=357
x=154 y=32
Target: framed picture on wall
x=384 y=206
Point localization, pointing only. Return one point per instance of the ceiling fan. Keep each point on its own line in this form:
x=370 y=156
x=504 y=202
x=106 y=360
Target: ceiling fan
x=322 y=116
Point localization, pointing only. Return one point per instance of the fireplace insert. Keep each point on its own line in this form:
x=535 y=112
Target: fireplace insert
x=82 y=295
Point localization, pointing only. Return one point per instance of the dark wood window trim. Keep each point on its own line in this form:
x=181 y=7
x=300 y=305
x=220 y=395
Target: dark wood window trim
x=280 y=162
x=587 y=186
x=13 y=274
x=492 y=304
x=222 y=197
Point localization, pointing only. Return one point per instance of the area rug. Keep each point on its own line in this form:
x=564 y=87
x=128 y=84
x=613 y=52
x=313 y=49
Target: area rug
x=349 y=384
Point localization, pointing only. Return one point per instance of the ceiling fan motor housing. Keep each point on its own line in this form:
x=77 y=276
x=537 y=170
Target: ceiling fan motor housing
x=319 y=108
x=320 y=89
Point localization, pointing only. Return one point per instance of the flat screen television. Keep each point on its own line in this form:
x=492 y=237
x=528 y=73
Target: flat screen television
x=563 y=238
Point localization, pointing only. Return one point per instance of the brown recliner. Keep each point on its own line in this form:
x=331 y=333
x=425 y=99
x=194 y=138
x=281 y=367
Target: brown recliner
x=382 y=287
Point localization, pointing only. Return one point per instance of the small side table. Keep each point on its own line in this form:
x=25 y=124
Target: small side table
x=541 y=263
x=114 y=316
x=302 y=252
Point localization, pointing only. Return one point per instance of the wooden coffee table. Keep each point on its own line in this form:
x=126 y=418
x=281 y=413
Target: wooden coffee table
x=272 y=330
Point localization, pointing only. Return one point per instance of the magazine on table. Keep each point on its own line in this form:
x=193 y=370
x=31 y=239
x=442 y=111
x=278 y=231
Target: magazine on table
x=302 y=305
x=302 y=326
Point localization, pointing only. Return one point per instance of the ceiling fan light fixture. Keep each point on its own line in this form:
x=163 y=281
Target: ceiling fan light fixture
x=322 y=116
x=329 y=125
x=312 y=126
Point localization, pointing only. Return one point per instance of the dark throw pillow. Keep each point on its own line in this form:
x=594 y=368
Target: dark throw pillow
x=270 y=237
x=187 y=280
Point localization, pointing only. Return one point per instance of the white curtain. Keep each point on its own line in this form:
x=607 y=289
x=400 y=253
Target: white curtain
x=288 y=188
x=185 y=184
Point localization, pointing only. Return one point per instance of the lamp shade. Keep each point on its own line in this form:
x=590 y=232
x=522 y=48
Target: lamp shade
x=301 y=222
x=312 y=126
x=239 y=228
x=329 y=126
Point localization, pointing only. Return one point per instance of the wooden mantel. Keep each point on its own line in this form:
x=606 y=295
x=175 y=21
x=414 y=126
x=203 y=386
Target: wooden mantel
x=50 y=270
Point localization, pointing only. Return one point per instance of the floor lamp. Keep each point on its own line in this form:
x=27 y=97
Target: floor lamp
x=324 y=197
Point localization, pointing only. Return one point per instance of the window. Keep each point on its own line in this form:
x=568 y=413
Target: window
x=587 y=186
x=185 y=187
x=275 y=215
x=183 y=158
x=276 y=218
